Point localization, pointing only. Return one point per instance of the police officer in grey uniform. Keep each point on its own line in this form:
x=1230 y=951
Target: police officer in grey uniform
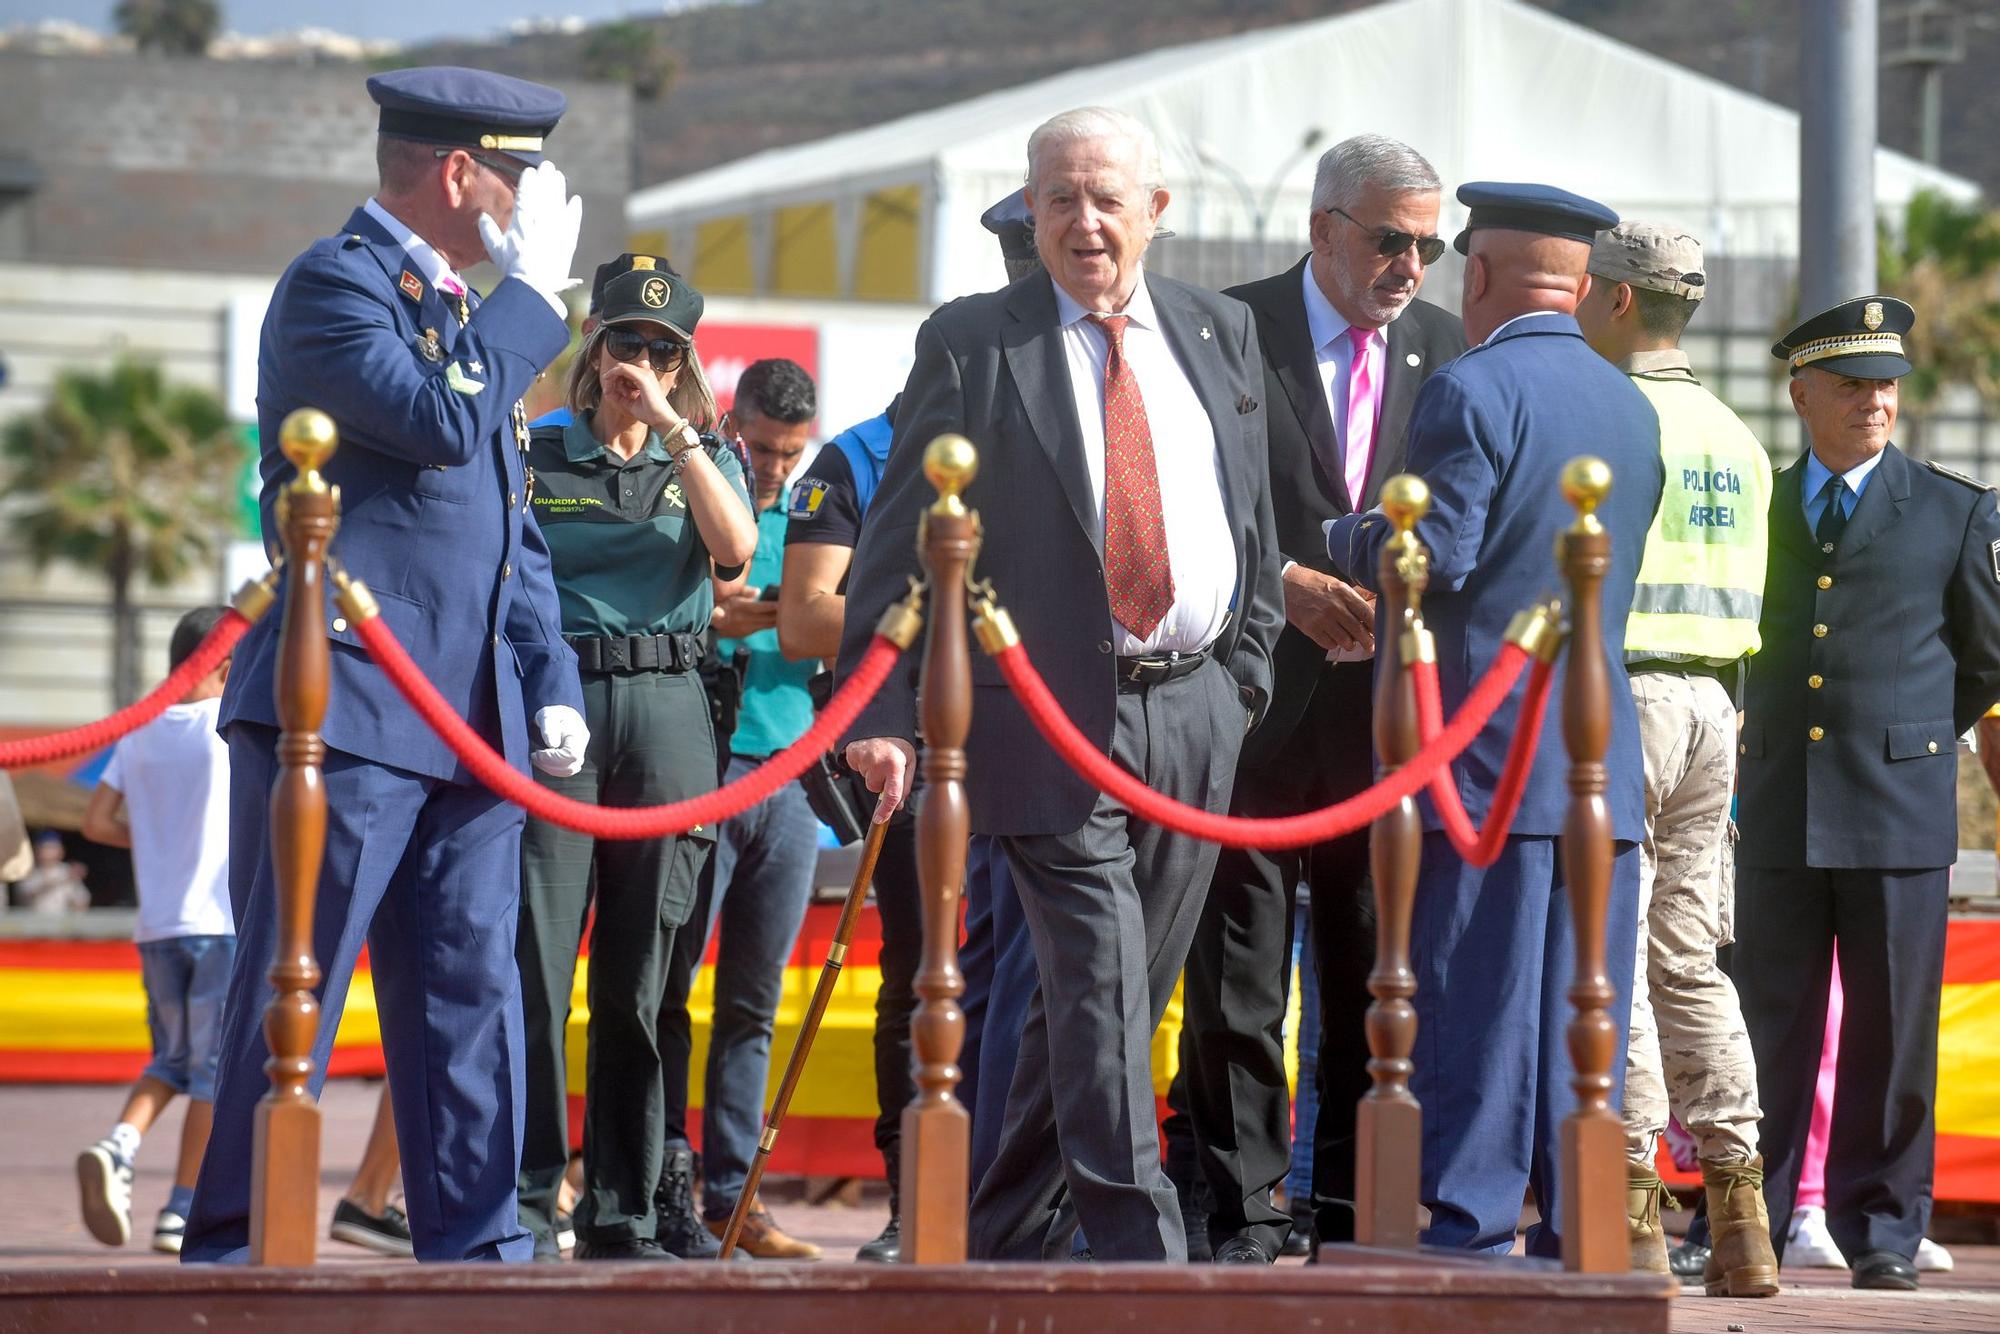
x=1881 y=644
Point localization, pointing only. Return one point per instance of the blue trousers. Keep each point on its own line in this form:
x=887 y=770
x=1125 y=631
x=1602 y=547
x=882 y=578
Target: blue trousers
x=998 y=961
x=1494 y=953
x=428 y=874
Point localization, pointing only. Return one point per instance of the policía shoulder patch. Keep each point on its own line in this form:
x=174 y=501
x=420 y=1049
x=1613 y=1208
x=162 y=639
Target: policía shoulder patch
x=807 y=496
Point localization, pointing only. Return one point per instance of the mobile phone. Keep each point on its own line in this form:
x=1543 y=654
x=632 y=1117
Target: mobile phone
x=768 y=593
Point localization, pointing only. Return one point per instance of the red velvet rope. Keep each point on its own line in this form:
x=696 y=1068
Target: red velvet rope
x=636 y=821
x=206 y=658
x=1481 y=847
x=1290 y=831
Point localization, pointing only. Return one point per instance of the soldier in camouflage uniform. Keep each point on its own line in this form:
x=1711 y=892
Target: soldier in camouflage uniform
x=1694 y=620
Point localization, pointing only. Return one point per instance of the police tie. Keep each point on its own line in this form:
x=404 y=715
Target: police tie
x=1138 y=574
x=1832 y=519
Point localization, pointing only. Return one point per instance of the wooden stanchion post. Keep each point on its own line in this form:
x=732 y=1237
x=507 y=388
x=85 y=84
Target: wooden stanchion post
x=1593 y=1136
x=936 y=1130
x=1388 y=1142
x=284 y=1180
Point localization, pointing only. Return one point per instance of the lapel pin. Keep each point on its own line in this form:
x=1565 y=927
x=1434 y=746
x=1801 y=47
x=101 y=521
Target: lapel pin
x=1204 y=333
x=412 y=286
x=1413 y=360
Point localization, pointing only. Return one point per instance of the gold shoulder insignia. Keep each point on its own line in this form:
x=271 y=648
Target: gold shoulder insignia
x=1959 y=477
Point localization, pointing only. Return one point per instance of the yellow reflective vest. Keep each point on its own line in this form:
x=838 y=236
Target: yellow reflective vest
x=1701 y=584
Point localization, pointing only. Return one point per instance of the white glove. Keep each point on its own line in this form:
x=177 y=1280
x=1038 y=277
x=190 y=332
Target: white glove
x=566 y=737
x=540 y=244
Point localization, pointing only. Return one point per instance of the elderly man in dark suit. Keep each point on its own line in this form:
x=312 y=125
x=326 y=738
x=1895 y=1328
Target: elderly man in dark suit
x=1346 y=345
x=1881 y=633
x=1494 y=950
x=1127 y=511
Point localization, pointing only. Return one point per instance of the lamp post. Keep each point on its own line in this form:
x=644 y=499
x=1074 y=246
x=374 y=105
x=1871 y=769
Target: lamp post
x=1259 y=207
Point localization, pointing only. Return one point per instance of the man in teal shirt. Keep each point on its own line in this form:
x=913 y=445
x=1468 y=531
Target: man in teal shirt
x=762 y=874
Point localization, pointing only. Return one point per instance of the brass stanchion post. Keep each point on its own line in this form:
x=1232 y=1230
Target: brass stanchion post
x=1388 y=1142
x=936 y=1130
x=1593 y=1136
x=284 y=1183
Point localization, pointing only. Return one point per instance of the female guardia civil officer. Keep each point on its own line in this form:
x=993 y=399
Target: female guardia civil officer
x=640 y=505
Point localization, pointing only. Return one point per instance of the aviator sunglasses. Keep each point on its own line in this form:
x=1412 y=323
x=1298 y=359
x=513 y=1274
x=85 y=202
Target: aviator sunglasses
x=664 y=354
x=1392 y=243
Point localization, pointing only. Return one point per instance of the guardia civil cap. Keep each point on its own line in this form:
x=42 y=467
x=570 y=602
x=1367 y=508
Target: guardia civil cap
x=467 y=108
x=1543 y=209
x=1013 y=224
x=651 y=290
x=1648 y=255
x=606 y=271
x=1862 y=337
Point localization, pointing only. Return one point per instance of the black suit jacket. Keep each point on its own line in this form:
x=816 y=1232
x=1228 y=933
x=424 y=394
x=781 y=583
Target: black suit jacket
x=1303 y=494
x=1909 y=659
x=992 y=368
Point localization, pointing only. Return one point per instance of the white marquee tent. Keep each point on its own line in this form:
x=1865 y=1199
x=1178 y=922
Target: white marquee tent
x=1487 y=89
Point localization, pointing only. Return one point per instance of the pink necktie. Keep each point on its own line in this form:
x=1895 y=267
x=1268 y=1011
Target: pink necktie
x=1363 y=399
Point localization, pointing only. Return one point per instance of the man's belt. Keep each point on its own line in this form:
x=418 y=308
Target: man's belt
x=1726 y=673
x=1154 y=668
x=636 y=653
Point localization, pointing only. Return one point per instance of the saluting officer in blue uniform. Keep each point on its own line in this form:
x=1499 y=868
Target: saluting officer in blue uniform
x=375 y=327
x=1881 y=633
x=1494 y=950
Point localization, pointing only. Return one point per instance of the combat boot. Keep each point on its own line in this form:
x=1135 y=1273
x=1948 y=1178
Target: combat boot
x=1741 y=1262
x=887 y=1248
x=1642 y=1220
x=678 y=1228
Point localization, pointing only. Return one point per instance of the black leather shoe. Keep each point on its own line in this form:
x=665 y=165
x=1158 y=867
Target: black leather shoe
x=1884 y=1269
x=625 y=1248
x=1242 y=1251
x=1688 y=1259
x=887 y=1248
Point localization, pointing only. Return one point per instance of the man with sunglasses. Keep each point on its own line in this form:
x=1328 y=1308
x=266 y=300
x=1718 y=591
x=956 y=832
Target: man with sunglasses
x=376 y=327
x=1346 y=345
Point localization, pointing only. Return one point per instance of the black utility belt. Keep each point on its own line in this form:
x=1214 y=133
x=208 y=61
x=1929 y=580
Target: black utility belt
x=636 y=653
x=1725 y=673
x=1154 y=668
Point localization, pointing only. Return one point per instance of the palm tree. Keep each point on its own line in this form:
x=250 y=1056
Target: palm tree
x=1945 y=261
x=175 y=27
x=123 y=473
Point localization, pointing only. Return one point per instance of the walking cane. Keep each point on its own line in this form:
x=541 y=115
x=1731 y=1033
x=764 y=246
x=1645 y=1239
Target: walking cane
x=836 y=954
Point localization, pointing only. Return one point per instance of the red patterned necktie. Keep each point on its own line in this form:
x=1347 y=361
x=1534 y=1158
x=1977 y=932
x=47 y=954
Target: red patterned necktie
x=1136 y=568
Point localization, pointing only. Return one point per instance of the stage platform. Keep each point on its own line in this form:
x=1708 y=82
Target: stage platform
x=54 y=1277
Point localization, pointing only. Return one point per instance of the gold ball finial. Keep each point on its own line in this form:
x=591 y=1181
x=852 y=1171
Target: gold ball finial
x=1586 y=481
x=950 y=464
x=308 y=438
x=1406 y=499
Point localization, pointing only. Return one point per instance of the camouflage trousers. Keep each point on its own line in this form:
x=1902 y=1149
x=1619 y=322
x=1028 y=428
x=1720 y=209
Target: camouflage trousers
x=1689 y=1050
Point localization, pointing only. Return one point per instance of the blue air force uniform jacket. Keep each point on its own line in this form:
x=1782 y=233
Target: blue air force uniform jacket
x=1876 y=657
x=433 y=498
x=1490 y=433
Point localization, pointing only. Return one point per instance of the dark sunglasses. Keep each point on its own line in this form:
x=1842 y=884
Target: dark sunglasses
x=664 y=354
x=1430 y=249
x=509 y=172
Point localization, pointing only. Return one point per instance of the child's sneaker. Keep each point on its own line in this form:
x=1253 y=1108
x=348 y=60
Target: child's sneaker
x=104 y=1184
x=1808 y=1245
x=1933 y=1258
x=386 y=1233
x=168 y=1230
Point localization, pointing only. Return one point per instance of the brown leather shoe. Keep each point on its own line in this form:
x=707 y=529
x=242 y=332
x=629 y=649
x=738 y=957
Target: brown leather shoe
x=1741 y=1262
x=763 y=1238
x=1642 y=1220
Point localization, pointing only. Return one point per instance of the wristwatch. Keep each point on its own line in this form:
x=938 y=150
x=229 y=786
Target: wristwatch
x=687 y=437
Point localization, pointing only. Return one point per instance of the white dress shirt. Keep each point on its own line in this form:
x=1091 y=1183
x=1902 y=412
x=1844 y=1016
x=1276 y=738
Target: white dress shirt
x=431 y=266
x=1199 y=546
